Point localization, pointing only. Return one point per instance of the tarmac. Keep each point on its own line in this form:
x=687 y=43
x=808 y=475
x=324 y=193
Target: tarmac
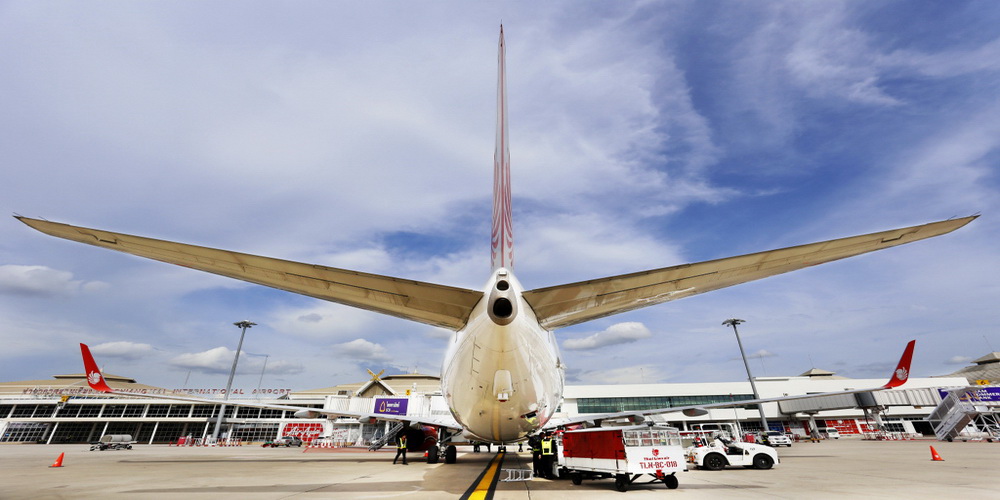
x=846 y=468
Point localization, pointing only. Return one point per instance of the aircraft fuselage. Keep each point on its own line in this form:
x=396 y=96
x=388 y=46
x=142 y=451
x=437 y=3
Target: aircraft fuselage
x=502 y=376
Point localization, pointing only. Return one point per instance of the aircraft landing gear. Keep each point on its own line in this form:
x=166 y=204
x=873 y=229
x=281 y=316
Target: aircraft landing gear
x=450 y=454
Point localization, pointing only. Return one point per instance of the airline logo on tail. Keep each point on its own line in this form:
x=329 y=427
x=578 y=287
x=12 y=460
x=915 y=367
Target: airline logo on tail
x=902 y=371
x=502 y=238
x=94 y=377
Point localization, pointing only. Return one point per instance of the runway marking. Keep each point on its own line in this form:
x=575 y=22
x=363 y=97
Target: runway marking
x=486 y=483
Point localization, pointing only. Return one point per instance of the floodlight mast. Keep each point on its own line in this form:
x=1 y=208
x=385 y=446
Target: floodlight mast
x=760 y=406
x=229 y=385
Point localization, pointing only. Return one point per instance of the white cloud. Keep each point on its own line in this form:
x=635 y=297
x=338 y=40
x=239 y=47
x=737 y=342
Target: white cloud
x=42 y=281
x=959 y=360
x=216 y=361
x=362 y=349
x=619 y=333
x=122 y=350
x=645 y=373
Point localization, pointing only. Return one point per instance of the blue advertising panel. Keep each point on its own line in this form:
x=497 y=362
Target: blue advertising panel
x=991 y=394
x=391 y=406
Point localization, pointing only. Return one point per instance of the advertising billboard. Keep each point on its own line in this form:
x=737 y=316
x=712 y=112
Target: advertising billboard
x=391 y=406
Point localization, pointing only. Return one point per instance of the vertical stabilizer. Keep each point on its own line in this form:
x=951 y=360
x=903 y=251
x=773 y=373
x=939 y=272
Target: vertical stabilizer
x=503 y=230
x=94 y=377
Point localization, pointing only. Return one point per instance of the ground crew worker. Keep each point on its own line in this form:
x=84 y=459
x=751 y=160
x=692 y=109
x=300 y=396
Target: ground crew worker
x=400 y=448
x=548 y=456
x=536 y=455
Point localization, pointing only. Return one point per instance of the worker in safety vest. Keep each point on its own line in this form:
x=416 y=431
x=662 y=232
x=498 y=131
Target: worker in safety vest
x=400 y=448
x=548 y=456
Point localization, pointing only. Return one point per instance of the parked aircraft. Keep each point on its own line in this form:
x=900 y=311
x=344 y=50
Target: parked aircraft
x=502 y=375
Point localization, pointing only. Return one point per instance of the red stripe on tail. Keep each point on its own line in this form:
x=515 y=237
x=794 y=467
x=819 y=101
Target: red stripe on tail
x=502 y=238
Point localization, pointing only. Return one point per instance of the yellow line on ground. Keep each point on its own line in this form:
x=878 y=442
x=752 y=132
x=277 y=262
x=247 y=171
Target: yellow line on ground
x=486 y=482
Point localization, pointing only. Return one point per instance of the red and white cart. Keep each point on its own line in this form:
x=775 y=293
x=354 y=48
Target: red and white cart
x=624 y=453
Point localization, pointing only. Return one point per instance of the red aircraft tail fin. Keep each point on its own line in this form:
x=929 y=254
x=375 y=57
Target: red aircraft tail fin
x=902 y=372
x=94 y=377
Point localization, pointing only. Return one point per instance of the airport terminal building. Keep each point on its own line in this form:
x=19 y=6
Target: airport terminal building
x=64 y=410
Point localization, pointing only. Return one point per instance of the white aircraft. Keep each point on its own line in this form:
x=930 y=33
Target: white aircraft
x=502 y=375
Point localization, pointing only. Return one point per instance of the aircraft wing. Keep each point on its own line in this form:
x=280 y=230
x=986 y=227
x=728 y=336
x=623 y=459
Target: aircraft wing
x=436 y=305
x=96 y=381
x=565 y=305
x=899 y=377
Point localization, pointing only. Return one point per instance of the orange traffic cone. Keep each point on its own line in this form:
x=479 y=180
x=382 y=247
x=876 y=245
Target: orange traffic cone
x=58 y=462
x=934 y=456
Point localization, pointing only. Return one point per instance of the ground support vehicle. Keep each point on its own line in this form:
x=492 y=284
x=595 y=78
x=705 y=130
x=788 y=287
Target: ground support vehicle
x=113 y=442
x=723 y=452
x=624 y=453
x=286 y=441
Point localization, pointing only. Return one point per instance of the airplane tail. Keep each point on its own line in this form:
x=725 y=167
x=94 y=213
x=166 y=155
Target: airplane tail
x=502 y=239
x=902 y=372
x=94 y=377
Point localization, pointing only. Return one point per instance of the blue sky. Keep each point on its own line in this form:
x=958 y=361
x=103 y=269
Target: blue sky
x=360 y=136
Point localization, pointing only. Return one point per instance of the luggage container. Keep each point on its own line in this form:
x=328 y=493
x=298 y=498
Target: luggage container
x=624 y=453
x=113 y=442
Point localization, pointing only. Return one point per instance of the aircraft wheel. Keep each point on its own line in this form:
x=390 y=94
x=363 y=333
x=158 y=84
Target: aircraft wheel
x=577 y=478
x=450 y=454
x=714 y=461
x=621 y=483
x=671 y=482
x=762 y=462
x=432 y=454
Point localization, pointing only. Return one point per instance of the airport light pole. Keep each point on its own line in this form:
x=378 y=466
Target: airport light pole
x=229 y=385
x=760 y=407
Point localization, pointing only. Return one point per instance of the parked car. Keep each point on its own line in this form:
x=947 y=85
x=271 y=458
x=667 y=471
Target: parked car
x=829 y=433
x=722 y=453
x=775 y=438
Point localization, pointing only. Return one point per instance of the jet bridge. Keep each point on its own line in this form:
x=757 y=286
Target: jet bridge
x=872 y=403
x=894 y=397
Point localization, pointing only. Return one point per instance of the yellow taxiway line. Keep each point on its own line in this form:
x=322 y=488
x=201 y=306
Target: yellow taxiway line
x=486 y=483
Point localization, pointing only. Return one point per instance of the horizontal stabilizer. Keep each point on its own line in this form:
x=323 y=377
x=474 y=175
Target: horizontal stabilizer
x=436 y=305
x=565 y=305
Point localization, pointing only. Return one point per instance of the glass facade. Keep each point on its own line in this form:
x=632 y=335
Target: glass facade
x=85 y=423
x=612 y=405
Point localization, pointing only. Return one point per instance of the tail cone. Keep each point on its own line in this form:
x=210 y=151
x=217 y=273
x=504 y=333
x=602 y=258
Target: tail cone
x=934 y=456
x=58 y=462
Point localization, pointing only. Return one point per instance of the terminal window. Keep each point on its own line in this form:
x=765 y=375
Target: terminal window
x=613 y=405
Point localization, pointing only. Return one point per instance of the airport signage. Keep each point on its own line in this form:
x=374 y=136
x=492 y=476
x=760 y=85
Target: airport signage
x=986 y=394
x=391 y=406
x=304 y=431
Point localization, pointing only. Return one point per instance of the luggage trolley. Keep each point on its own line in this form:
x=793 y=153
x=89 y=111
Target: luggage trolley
x=624 y=453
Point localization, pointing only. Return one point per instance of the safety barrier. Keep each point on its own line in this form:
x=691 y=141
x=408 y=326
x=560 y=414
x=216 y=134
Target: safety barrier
x=185 y=441
x=891 y=436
